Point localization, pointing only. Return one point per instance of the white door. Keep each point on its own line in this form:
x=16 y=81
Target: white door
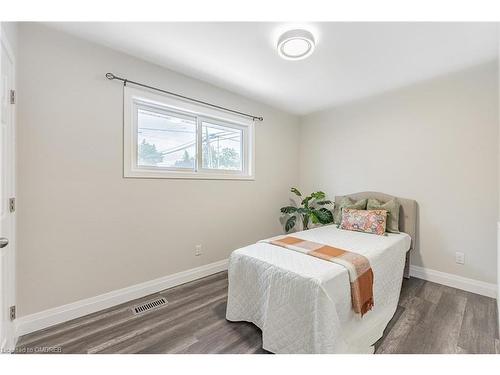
x=7 y=189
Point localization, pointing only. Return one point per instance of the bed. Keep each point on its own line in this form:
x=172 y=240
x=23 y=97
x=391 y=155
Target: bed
x=302 y=304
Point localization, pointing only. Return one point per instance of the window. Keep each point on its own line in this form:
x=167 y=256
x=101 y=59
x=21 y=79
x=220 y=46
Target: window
x=171 y=138
x=165 y=140
x=221 y=147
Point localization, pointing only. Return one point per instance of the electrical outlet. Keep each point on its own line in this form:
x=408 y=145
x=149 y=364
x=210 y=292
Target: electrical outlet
x=197 y=250
x=460 y=258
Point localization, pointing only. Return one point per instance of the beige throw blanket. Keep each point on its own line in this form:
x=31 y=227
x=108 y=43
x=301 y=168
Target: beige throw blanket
x=358 y=267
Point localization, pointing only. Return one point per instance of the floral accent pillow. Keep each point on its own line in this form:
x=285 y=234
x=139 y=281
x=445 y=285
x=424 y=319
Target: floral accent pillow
x=368 y=221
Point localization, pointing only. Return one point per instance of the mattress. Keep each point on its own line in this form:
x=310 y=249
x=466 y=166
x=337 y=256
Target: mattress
x=302 y=304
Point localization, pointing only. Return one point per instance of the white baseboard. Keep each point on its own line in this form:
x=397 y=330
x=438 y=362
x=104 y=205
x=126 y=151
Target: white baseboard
x=454 y=281
x=60 y=314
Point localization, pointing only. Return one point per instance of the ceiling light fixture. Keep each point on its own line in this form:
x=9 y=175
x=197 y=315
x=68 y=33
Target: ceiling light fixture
x=296 y=44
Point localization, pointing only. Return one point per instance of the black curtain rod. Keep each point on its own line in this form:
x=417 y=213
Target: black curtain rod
x=111 y=77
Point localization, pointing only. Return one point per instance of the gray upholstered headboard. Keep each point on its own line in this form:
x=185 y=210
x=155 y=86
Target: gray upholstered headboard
x=407 y=216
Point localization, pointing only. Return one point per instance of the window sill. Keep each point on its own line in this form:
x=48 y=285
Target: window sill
x=187 y=175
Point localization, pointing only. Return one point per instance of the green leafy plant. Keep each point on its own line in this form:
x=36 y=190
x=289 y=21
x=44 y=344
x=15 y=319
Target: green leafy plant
x=148 y=154
x=312 y=209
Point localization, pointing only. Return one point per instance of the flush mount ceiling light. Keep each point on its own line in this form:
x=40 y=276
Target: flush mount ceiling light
x=296 y=44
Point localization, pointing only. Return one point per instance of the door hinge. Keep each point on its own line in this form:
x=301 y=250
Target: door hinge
x=12 y=96
x=12 y=312
x=12 y=204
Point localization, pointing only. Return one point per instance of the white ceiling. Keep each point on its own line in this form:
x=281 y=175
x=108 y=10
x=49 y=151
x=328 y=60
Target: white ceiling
x=351 y=60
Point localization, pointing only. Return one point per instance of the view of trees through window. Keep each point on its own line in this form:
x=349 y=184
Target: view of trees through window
x=163 y=139
x=169 y=141
x=221 y=147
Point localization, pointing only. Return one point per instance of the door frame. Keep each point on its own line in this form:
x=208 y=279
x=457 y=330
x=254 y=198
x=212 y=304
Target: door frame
x=11 y=338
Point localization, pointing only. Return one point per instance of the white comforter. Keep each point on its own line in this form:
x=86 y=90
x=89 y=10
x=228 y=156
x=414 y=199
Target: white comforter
x=302 y=304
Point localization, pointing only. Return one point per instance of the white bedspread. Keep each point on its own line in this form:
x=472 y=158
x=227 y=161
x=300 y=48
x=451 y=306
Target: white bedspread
x=302 y=304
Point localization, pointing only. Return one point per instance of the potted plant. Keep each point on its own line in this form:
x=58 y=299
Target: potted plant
x=312 y=209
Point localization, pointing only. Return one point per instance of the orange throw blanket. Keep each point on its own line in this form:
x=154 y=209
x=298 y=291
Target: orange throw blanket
x=358 y=267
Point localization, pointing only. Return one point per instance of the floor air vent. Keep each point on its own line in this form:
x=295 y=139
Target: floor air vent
x=150 y=305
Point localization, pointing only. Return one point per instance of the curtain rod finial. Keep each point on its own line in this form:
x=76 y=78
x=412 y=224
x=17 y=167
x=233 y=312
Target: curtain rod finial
x=110 y=76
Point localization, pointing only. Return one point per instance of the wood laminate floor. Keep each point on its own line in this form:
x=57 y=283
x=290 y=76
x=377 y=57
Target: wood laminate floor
x=430 y=318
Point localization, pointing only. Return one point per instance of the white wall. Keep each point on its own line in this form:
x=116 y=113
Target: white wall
x=83 y=229
x=435 y=142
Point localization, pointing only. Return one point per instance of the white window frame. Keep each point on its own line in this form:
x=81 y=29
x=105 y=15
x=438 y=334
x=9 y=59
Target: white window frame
x=135 y=98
